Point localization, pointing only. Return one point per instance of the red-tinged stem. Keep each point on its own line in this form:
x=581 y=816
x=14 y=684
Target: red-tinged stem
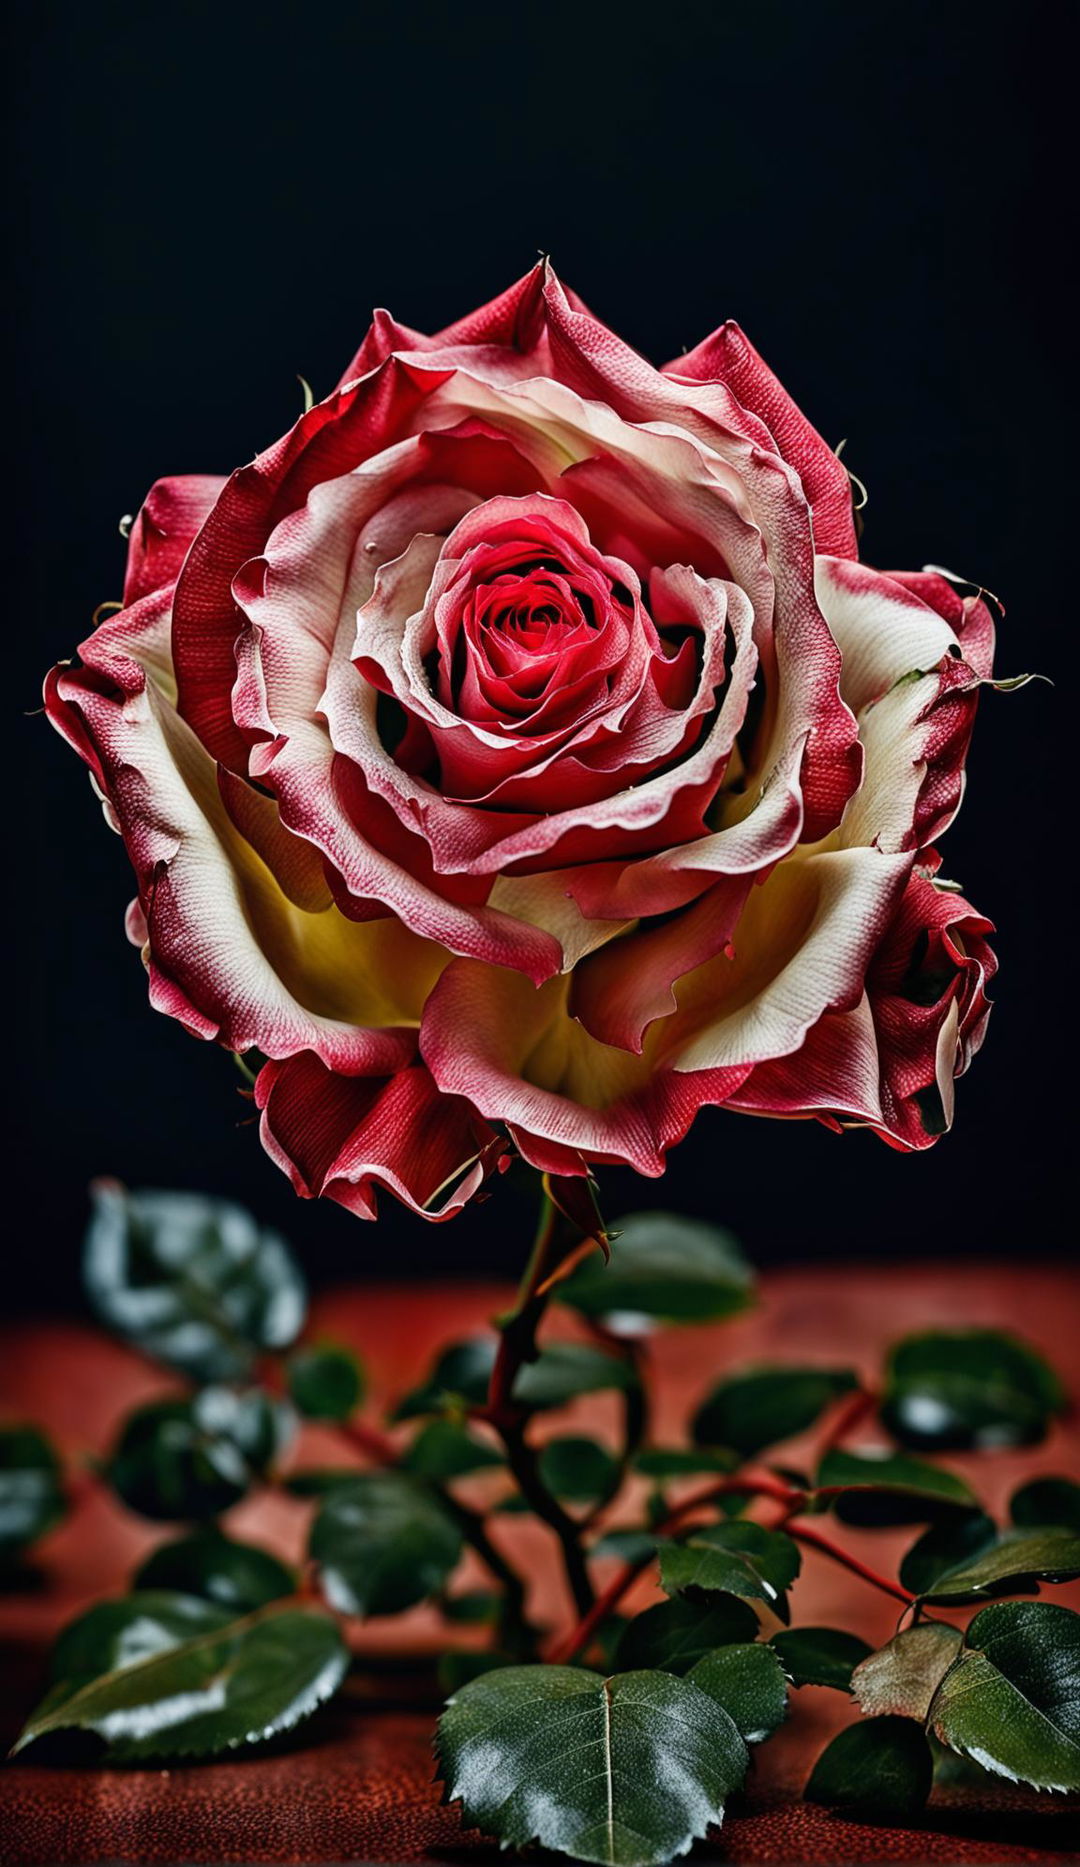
x=851 y=1415
x=369 y=1440
x=814 y=1540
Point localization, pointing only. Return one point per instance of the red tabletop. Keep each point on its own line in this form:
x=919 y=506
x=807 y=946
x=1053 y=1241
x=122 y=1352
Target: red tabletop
x=356 y=1783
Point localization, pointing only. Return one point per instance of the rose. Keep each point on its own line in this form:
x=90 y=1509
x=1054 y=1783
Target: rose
x=517 y=755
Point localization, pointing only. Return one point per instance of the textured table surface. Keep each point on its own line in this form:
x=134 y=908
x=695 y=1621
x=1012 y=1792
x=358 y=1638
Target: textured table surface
x=357 y=1782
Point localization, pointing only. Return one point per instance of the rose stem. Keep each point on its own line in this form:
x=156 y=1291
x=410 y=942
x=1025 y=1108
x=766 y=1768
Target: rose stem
x=517 y=1345
x=851 y=1414
x=814 y=1540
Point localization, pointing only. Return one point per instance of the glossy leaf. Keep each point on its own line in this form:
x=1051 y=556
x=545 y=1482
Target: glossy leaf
x=579 y=1470
x=734 y=1559
x=1012 y=1701
x=880 y=1768
x=325 y=1382
x=115 y=1634
x=238 y=1576
x=382 y=1542
x=976 y=1387
x=445 y=1449
x=943 y=1547
x=1015 y=1564
x=1047 y=1501
x=823 y=1656
x=31 y=1490
x=762 y=1406
x=749 y=1682
x=193 y=1281
x=674 y=1635
x=194 y=1459
x=902 y=1677
x=626 y=1771
x=892 y=1488
x=223 y=1688
x=662 y=1269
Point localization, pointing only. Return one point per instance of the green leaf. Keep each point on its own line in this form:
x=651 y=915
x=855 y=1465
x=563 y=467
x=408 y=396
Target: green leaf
x=762 y=1406
x=237 y=1576
x=383 y=1542
x=194 y=1459
x=819 y=1655
x=890 y=1488
x=1014 y=1565
x=674 y=1635
x=880 y=1768
x=662 y=1269
x=977 y=1387
x=445 y=1449
x=31 y=1492
x=1012 y=1701
x=325 y=1382
x=221 y=1688
x=190 y=1280
x=564 y=1370
x=115 y=1634
x=458 y=1380
x=946 y=1546
x=578 y=1469
x=626 y=1771
x=749 y=1682
x=732 y=1559
x=902 y=1677
x=684 y=1461
x=1047 y=1501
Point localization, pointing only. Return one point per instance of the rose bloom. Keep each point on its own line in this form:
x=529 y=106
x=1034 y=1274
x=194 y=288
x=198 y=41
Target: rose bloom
x=517 y=756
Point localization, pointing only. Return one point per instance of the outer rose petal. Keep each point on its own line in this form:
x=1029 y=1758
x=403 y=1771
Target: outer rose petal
x=229 y=953
x=907 y=678
x=892 y=1060
x=729 y=357
x=339 y=1137
x=164 y=527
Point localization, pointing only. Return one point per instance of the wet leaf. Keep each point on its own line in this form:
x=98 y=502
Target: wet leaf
x=224 y=1687
x=974 y=1387
x=626 y=1771
x=881 y=1769
x=382 y=1542
x=749 y=1682
x=193 y=1281
x=762 y=1406
x=823 y=1656
x=1012 y=1701
x=662 y=1269
x=237 y=1576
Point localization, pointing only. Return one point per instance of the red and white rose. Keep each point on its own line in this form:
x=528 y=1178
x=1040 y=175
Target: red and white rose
x=517 y=755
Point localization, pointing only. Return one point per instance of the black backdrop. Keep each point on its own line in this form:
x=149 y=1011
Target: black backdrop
x=209 y=198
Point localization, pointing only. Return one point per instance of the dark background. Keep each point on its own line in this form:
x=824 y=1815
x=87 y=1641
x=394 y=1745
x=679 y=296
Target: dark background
x=208 y=199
